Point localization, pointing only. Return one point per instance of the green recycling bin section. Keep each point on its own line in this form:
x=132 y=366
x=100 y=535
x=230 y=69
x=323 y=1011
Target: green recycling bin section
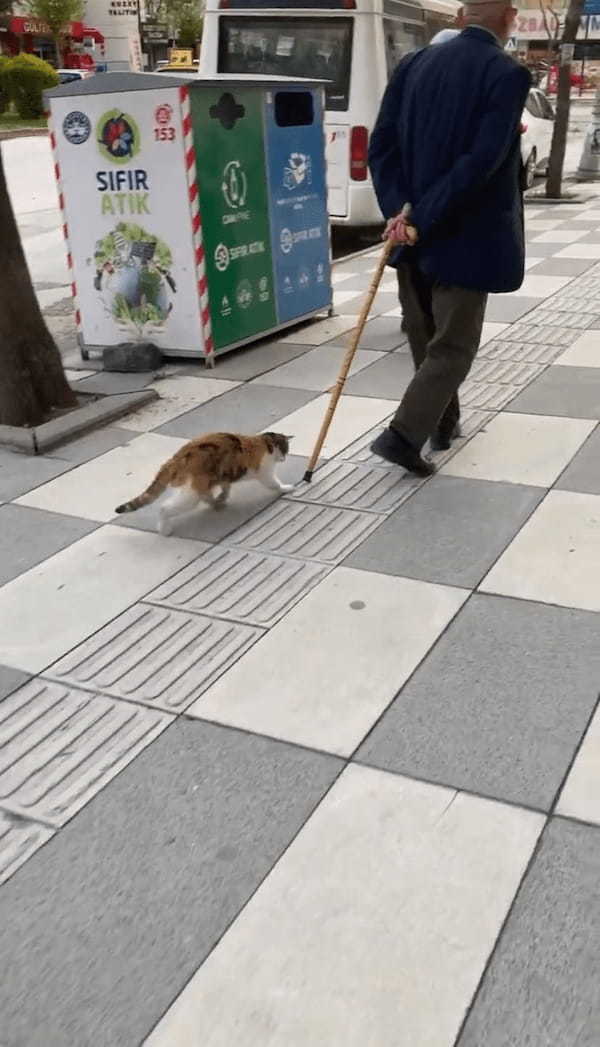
x=195 y=211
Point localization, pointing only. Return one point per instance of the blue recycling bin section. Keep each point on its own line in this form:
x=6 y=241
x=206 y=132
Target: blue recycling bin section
x=295 y=155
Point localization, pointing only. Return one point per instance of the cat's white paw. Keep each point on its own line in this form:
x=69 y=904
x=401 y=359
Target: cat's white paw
x=285 y=488
x=165 y=527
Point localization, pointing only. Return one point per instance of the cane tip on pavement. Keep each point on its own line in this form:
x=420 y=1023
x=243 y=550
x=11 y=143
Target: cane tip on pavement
x=307 y=476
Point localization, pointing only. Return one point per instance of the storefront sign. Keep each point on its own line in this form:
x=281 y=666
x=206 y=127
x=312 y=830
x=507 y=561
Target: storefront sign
x=530 y=25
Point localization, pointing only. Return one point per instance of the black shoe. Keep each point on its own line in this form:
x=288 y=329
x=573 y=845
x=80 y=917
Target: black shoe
x=441 y=439
x=394 y=448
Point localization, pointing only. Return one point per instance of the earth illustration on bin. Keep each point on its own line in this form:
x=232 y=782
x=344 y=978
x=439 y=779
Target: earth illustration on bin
x=133 y=276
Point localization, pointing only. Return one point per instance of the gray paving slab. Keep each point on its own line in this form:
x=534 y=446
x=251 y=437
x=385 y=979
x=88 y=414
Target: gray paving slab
x=96 y=443
x=19 y=839
x=246 y=409
x=583 y=472
x=383 y=333
x=59 y=746
x=20 y=473
x=451 y=531
x=248 y=362
x=158 y=656
x=106 y=924
x=28 y=536
x=571 y=392
x=542 y=988
x=209 y=525
x=240 y=586
x=109 y=382
x=562 y=267
x=384 y=301
x=10 y=679
x=541 y=250
x=506 y=308
x=500 y=704
x=386 y=378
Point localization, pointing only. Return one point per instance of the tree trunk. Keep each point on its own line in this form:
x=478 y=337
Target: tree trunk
x=57 y=51
x=32 y=379
x=563 y=102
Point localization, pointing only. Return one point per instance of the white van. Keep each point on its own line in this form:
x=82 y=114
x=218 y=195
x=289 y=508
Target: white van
x=353 y=44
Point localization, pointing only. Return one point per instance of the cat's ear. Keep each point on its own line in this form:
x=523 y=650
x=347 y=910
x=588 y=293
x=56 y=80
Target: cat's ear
x=289 y=437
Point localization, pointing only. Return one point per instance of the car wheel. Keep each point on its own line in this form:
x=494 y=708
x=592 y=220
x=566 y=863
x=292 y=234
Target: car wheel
x=530 y=169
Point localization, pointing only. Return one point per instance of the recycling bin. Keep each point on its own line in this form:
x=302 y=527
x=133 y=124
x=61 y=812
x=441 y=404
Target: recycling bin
x=195 y=210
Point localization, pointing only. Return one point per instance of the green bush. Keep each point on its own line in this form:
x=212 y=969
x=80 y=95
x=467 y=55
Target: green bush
x=4 y=97
x=28 y=77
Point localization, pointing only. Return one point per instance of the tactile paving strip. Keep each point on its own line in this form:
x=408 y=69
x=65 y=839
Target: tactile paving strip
x=59 y=746
x=560 y=336
x=359 y=451
x=491 y=396
x=352 y=486
x=585 y=303
x=557 y=318
x=506 y=372
x=156 y=656
x=522 y=352
x=19 y=839
x=310 y=532
x=257 y=588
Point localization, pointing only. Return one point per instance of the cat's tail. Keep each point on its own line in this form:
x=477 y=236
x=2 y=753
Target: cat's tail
x=156 y=488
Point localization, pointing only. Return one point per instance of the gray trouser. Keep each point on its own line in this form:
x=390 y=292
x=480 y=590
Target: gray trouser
x=443 y=325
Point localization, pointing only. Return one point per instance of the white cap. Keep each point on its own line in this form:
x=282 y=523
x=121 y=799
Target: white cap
x=444 y=35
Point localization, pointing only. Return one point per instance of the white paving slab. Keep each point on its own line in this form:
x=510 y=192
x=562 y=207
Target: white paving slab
x=354 y=416
x=555 y=558
x=317 y=369
x=340 y=276
x=579 y=251
x=521 y=449
x=585 y=352
x=48 y=610
x=491 y=330
x=341 y=297
x=543 y=286
x=373 y=929
x=322 y=331
x=539 y=224
x=52 y=295
x=530 y=261
x=558 y=236
x=176 y=396
x=580 y=797
x=357 y=636
x=394 y=312
x=95 y=489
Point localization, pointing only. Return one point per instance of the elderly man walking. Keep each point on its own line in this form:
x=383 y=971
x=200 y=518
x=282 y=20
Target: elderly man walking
x=447 y=144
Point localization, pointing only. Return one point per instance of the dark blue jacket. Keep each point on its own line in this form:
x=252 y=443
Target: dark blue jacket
x=447 y=141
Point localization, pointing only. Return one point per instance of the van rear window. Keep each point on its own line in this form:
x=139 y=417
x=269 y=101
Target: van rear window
x=315 y=48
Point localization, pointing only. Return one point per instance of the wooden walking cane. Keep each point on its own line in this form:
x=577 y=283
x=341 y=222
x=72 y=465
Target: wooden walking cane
x=337 y=390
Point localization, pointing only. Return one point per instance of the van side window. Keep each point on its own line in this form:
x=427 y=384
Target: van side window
x=400 y=38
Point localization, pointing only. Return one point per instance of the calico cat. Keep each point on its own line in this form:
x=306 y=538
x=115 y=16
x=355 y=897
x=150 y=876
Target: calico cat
x=216 y=460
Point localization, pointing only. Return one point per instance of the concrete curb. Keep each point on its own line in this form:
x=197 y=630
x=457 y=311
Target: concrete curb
x=23 y=132
x=75 y=423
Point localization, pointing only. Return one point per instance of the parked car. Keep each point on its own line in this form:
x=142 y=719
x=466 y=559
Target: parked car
x=538 y=121
x=69 y=76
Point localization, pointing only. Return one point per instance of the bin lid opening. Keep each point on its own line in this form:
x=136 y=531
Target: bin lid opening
x=227 y=111
x=294 y=108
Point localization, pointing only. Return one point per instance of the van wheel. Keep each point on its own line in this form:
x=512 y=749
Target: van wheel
x=530 y=169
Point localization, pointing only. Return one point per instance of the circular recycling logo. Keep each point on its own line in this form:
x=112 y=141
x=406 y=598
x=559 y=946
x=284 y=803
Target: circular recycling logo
x=76 y=128
x=234 y=185
x=221 y=258
x=286 y=241
x=118 y=136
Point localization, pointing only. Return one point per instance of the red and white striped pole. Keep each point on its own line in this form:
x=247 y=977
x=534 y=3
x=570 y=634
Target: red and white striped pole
x=65 y=228
x=190 y=162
